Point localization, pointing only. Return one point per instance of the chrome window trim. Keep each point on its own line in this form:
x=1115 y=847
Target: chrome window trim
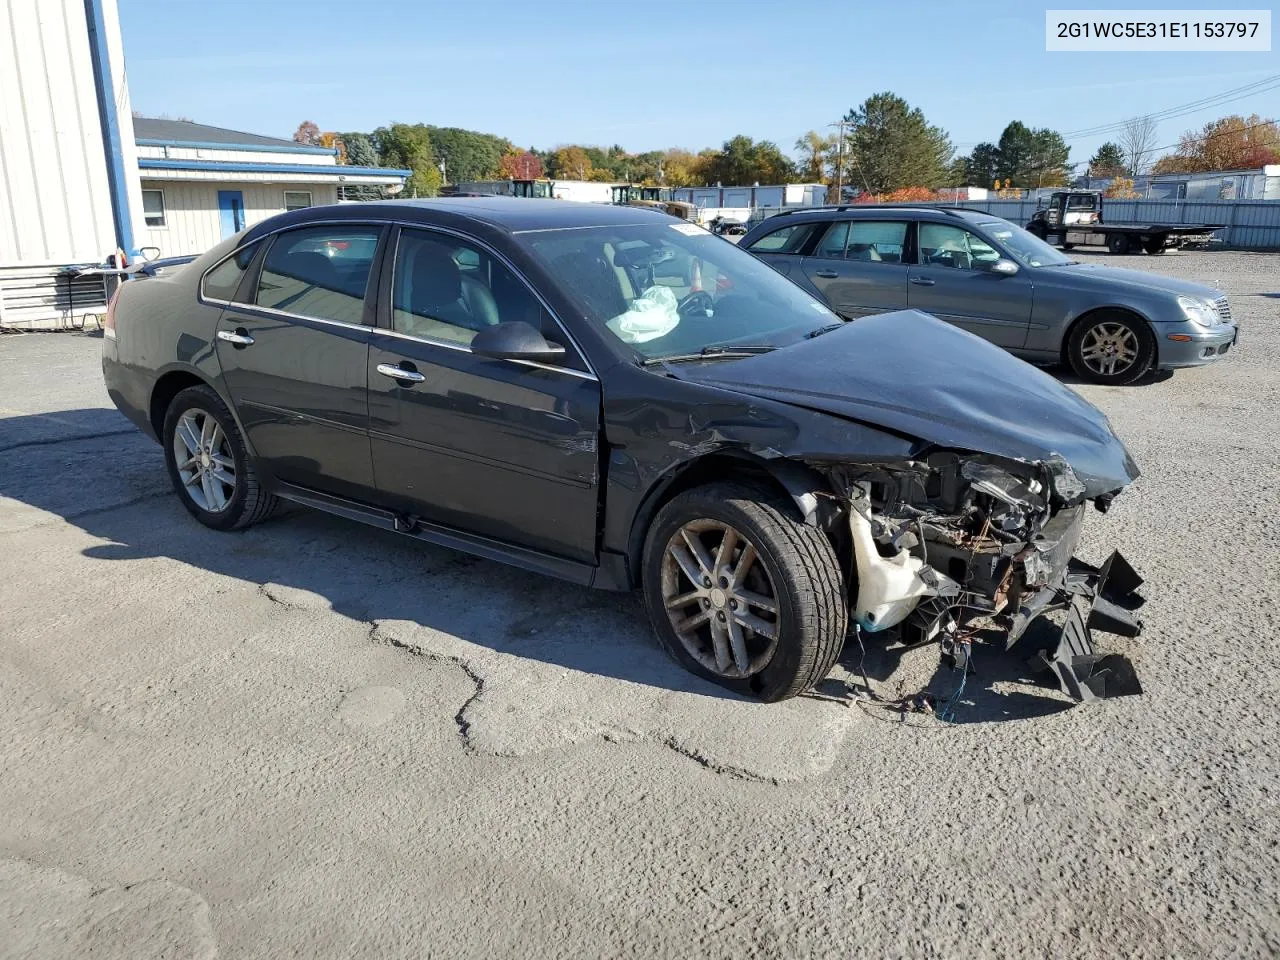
x=459 y=348
x=468 y=238
x=253 y=307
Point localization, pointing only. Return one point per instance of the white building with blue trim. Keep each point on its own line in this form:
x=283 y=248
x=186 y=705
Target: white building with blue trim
x=80 y=178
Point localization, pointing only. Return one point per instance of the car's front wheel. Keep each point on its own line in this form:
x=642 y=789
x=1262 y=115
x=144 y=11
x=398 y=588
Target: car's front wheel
x=742 y=592
x=1112 y=349
x=208 y=464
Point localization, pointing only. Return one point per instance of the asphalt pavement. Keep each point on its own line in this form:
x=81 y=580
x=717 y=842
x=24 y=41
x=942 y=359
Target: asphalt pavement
x=316 y=739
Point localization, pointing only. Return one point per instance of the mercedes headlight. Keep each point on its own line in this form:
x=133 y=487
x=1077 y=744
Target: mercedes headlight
x=1202 y=312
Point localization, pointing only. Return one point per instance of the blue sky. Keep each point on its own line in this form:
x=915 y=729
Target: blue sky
x=544 y=73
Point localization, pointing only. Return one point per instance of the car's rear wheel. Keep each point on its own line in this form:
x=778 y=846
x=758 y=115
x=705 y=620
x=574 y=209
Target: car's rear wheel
x=208 y=464
x=742 y=592
x=1112 y=349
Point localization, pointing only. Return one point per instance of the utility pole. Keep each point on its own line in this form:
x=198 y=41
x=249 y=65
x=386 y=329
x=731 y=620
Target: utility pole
x=839 y=160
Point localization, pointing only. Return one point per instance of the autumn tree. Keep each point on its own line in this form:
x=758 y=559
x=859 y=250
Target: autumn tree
x=408 y=146
x=1107 y=161
x=891 y=145
x=680 y=168
x=307 y=133
x=1121 y=188
x=520 y=165
x=1231 y=143
x=333 y=141
x=571 y=163
x=816 y=152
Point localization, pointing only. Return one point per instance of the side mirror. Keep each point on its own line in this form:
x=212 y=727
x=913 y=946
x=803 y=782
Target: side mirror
x=515 y=340
x=1006 y=268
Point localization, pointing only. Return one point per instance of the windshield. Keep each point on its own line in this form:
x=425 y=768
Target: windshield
x=1026 y=248
x=671 y=289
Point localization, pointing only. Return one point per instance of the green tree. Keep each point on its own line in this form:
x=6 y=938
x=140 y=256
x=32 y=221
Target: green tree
x=408 y=146
x=892 y=146
x=1108 y=161
x=467 y=154
x=360 y=151
x=742 y=162
x=981 y=166
x=1032 y=158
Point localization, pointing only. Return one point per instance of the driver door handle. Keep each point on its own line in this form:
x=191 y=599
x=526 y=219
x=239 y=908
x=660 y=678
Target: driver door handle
x=400 y=373
x=923 y=281
x=239 y=337
x=826 y=274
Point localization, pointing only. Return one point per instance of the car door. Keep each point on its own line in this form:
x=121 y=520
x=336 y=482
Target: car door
x=952 y=279
x=503 y=449
x=295 y=357
x=859 y=267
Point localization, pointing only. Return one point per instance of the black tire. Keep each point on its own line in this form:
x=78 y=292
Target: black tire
x=1067 y=246
x=1117 y=243
x=1036 y=229
x=1146 y=349
x=249 y=503
x=801 y=563
x=1154 y=246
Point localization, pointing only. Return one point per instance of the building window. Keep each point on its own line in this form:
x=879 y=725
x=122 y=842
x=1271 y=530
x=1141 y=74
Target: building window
x=153 y=207
x=297 y=199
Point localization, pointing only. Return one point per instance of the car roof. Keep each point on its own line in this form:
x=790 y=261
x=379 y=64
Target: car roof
x=875 y=212
x=517 y=214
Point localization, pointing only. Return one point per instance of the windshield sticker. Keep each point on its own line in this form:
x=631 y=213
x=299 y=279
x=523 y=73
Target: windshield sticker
x=689 y=229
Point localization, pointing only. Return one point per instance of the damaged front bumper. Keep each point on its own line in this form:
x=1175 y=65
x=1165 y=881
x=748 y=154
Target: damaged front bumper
x=1094 y=598
x=970 y=547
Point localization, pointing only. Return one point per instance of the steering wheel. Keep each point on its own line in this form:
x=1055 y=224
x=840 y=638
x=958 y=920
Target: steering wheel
x=698 y=305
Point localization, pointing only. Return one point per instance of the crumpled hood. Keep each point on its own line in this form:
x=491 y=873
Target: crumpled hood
x=913 y=374
x=1109 y=276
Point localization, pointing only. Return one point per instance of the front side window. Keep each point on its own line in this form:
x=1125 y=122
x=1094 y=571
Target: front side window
x=787 y=240
x=669 y=289
x=447 y=290
x=153 y=207
x=320 y=272
x=222 y=282
x=942 y=245
x=297 y=199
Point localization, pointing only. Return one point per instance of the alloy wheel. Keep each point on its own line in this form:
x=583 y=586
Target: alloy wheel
x=205 y=463
x=720 y=599
x=1109 y=348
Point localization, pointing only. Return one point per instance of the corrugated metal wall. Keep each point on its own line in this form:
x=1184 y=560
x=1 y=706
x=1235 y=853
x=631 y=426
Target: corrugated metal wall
x=1249 y=224
x=193 y=222
x=53 y=168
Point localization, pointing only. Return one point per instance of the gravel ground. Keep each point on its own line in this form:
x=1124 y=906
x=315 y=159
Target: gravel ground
x=314 y=739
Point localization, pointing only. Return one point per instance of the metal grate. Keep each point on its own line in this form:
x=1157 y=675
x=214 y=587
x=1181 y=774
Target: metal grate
x=1224 y=309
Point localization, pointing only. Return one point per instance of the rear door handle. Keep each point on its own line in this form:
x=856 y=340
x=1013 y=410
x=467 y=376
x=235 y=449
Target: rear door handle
x=826 y=274
x=400 y=373
x=240 y=338
x=923 y=281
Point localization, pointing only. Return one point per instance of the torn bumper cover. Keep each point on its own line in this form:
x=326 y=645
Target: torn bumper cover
x=1095 y=598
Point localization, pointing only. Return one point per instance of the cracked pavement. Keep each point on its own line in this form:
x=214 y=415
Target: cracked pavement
x=316 y=739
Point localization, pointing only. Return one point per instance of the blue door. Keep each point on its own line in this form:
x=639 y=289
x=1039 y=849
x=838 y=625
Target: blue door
x=231 y=211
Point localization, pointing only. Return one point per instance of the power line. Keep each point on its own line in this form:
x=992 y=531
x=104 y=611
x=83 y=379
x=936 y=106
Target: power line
x=1180 y=110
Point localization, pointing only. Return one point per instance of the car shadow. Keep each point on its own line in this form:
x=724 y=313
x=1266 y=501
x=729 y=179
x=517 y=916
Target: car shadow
x=1068 y=376
x=310 y=560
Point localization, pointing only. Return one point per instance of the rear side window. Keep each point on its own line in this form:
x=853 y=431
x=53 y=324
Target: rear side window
x=833 y=241
x=222 y=282
x=320 y=272
x=876 y=241
x=787 y=240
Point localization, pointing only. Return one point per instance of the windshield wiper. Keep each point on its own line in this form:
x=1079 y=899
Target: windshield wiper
x=735 y=352
x=821 y=330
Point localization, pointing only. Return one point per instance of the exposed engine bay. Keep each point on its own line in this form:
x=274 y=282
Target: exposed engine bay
x=953 y=544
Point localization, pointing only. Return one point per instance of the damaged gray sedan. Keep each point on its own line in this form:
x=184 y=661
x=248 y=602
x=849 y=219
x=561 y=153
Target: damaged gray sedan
x=620 y=399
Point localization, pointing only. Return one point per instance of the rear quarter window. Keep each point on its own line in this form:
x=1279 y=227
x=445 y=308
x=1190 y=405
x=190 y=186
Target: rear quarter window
x=787 y=240
x=222 y=281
